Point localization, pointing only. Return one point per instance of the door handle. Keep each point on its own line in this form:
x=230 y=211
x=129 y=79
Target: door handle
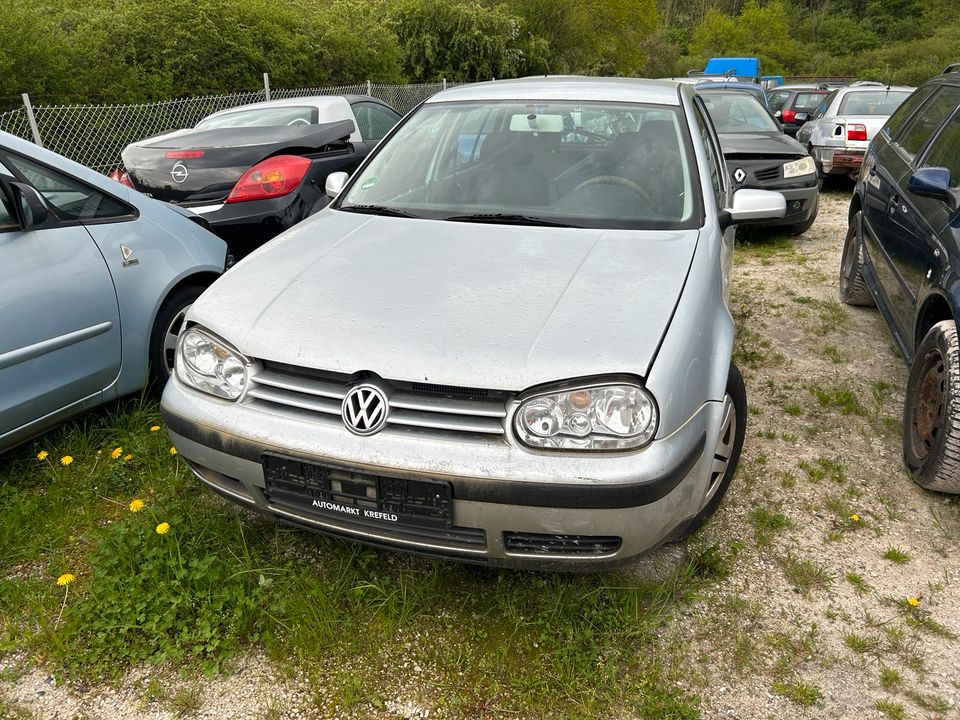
x=894 y=201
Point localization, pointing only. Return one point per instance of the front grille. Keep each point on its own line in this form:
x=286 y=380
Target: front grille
x=414 y=407
x=543 y=544
x=768 y=173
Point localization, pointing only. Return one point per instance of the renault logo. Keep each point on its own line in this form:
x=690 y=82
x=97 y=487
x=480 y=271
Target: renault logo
x=739 y=175
x=179 y=173
x=364 y=410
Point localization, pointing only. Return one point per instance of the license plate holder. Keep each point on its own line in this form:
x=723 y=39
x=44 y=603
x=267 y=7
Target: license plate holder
x=340 y=492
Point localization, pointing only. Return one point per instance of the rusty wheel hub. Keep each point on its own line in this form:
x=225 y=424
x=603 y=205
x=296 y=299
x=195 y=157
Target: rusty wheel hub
x=928 y=405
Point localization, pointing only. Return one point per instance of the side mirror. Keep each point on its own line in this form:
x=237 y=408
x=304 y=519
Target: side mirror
x=931 y=182
x=29 y=206
x=335 y=183
x=753 y=205
x=801 y=117
x=777 y=114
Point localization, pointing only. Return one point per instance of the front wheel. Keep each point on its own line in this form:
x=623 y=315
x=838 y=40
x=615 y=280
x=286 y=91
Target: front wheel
x=726 y=453
x=166 y=329
x=931 y=413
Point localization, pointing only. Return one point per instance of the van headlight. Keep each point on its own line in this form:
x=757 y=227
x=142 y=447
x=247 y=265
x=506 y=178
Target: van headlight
x=207 y=364
x=598 y=417
x=796 y=168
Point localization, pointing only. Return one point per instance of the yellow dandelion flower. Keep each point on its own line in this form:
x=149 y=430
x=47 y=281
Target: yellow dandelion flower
x=173 y=451
x=117 y=452
x=66 y=460
x=154 y=428
x=65 y=579
x=855 y=517
x=163 y=528
x=128 y=457
x=913 y=601
x=42 y=455
x=136 y=505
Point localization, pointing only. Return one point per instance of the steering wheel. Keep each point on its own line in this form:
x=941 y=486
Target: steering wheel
x=620 y=182
x=588 y=133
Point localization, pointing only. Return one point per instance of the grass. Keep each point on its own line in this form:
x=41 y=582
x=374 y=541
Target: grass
x=859 y=584
x=766 y=524
x=890 y=679
x=222 y=580
x=891 y=709
x=806 y=574
x=896 y=555
x=799 y=692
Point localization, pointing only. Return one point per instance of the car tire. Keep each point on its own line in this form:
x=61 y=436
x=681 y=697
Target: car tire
x=931 y=413
x=853 y=288
x=726 y=454
x=166 y=328
x=801 y=228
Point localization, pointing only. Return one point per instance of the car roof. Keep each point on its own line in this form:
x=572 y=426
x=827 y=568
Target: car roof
x=318 y=101
x=565 y=87
x=872 y=88
x=798 y=86
x=730 y=85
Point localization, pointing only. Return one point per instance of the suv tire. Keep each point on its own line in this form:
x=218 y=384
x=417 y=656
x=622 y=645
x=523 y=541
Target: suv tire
x=931 y=413
x=853 y=288
x=165 y=330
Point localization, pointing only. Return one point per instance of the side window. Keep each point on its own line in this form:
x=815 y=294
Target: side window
x=374 y=121
x=8 y=220
x=945 y=151
x=925 y=123
x=903 y=113
x=70 y=198
x=714 y=161
x=778 y=100
x=822 y=107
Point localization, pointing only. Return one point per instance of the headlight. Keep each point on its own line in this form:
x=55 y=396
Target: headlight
x=796 y=168
x=603 y=417
x=206 y=364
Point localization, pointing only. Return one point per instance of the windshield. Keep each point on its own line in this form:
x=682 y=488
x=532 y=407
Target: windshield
x=552 y=163
x=872 y=102
x=736 y=112
x=260 y=117
x=807 y=102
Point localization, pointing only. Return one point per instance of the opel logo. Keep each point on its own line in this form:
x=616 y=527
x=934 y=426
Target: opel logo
x=179 y=173
x=364 y=410
x=739 y=175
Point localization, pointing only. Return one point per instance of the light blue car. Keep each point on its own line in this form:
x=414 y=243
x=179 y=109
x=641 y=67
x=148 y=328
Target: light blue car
x=94 y=282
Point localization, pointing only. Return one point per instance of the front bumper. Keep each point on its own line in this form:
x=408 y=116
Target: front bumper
x=565 y=502
x=801 y=202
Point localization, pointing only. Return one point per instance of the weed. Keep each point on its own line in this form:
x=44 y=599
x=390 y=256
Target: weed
x=793 y=409
x=880 y=390
x=799 y=692
x=859 y=584
x=928 y=701
x=890 y=679
x=833 y=355
x=806 y=574
x=766 y=524
x=891 y=709
x=896 y=555
x=840 y=398
x=860 y=644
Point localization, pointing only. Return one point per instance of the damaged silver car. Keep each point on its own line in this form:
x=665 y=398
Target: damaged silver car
x=507 y=341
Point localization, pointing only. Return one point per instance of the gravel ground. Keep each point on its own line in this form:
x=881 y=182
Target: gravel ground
x=821 y=494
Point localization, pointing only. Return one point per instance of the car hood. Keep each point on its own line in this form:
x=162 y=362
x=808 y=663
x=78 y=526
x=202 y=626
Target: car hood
x=772 y=144
x=492 y=306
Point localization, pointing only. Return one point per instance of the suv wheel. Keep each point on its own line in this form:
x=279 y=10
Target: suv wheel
x=166 y=328
x=931 y=414
x=726 y=454
x=853 y=289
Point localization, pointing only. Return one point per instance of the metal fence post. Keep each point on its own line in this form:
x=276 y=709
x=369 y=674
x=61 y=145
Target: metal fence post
x=266 y=86
x=369 y=89
x=444 y=83
x=32 y=120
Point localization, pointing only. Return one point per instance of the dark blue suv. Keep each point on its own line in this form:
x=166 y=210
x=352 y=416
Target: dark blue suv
x=902 y=253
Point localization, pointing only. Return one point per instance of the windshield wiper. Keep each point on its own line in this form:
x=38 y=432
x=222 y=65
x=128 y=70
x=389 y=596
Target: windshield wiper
x=507 y=219
x=379 y=210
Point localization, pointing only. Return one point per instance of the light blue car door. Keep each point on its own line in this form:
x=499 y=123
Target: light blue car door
x=59 y=318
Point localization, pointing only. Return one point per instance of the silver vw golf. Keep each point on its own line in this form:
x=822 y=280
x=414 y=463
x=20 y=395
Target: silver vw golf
x=506 y=341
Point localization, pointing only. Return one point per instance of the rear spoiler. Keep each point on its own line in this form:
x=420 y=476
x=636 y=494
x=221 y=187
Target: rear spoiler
x=301 y=135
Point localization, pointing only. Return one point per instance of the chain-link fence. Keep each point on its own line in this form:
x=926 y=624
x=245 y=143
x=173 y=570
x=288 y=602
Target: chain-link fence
x=94 y=135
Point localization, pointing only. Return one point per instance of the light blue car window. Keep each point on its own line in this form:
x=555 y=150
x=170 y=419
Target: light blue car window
x=71 y=199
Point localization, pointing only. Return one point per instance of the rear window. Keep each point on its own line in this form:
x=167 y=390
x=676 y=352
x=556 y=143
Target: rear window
x=261 y=117
x=807 y=102
x=872 y=102
x=735 y=112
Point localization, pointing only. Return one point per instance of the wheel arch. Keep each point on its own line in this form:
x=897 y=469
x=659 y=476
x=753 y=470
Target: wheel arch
x=934 y=309
x=856 y=205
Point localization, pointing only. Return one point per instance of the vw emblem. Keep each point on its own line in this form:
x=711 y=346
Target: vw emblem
x=739 y=175
x=179 y=173
x=364 y=410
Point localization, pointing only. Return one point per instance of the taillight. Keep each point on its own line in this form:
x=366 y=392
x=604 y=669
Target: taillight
x=121 y=177
x=184 y=154
x=788 y=116
x=856 y=131
x=271 y=178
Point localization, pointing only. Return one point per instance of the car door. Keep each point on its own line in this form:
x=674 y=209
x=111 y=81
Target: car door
x=905 y=238
x=374 y=121
x=59 y=317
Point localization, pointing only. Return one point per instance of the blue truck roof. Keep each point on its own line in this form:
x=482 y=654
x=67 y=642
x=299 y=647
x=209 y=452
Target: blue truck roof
x=741 y=66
